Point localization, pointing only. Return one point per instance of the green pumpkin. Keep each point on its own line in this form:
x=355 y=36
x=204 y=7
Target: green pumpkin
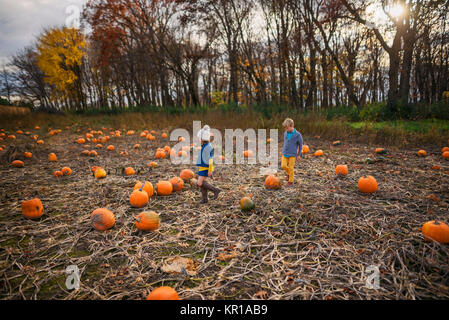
x=246 y=204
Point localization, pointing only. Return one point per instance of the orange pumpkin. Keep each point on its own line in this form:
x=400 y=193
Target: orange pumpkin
x=342 y=169
x=163 y=293
x=129 y=171
x=272 y=182
x=81 y=141
x=40 y=141
x=32 y=209
x=111 y=148
x=167 y=149
x=368 y=184
x=160 y=154
x=164 y=136
x=58 y=174
x=248 y=153
x=102 y=219
x=444 y=149
x=177 y=184
x=148 y=221
x=66 y=171
x=147 y=187
x=187 y=174
x=93 y=153
x=85 y=152
x=445 y=155
x=318 y=153
x=99 y=146
x=182 y=154
x=52 y=157
x=422 y=153
x=436 y=230
x=137 y=146
x=100 y=173
x=28 y=155
x=152 y=164
x=17 y=163
x=164 y=188
x=139 y=198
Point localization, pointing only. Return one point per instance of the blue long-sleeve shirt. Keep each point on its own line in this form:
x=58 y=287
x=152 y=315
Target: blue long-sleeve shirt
x=292 y=141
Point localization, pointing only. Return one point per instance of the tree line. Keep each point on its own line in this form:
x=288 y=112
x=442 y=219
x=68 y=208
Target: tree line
x=182 y=53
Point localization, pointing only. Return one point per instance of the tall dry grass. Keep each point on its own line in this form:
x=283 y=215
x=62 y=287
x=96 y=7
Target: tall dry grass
x=309 y=125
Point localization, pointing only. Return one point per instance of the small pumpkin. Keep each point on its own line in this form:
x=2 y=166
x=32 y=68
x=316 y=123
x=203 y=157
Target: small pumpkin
x=248 y=153
x=246 y=204
x=164 y=136
x=182 y=154
x=93 y=153
x=186 y=174
x=342 y=169
x=163 y=293
x=148 y=221
x=148 y=187
x=28 y=155
x=110 y=148
x=40 y=142
x=177 y=184
x=139 y=198
x=152 y=164
x=318 y=153
x=85 y=152
x=436 y=230
x=32 y=209
x=422 y=153
x=81 y=141
x=18 y=163
x=444 y=149
x=167 y=149
x=164 y=188
x=102 y=219
x=445 y=155
x=100 y=173
x=368 y=184
x=160 y=154
x=272 y=182
x=52 y=157
x=58 y=174
x=66 y=171
x=99 y=146
x=129 y=171
x=381 y=151
x=336 y=143
x=130 y=132
x=137 y=146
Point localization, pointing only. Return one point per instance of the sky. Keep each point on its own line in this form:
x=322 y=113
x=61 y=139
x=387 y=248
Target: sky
x=22 y=20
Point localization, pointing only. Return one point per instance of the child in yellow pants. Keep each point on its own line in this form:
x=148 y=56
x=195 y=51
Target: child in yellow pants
x=292 y=149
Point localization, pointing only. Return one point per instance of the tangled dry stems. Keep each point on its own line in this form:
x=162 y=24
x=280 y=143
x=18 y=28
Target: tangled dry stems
x=312 y=241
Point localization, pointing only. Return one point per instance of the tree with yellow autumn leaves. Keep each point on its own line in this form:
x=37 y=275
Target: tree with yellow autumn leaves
x=60 y=55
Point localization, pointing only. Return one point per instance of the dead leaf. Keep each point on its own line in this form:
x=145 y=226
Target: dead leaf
x=225 y=257
x=262 y=294
x=179 y=265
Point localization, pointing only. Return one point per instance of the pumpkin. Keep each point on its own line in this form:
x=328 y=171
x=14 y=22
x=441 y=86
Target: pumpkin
x=248 y=153
x=85 y=152
x=177 y=184
x=186 y=174
x=167 y=149
x=102 y=219
x=181 y=139
x=143 y=134
x=342 y=169
x=129 y=171
x=436 y=167
x=152 y=164
x=28 y=154
x=100 y=173
x=66 y=171
x=436 y=230
x=246 y=204
x=32 y=209
x=444 y=149
x=445 y=155
x=52 y=157
x=318 y=153
x=272 y=182
x=422 y=153
x=139 y=198
x=164 y=188
x=336 y=143
x=17 y=163
x=93 y=153
x=11 y=136
x=160 y=154
x=148 y=187
x=130 y=132
x=182 y=154
x=381 y=151
x=163 y=293
x=40 y=141
x=137 y=146
x=164 y=136
x=19 y=132
x=99 y=146
x=148 y=221
x=37 y=128
x=81 y=141
x=110 y=148
x=368 y=184
x=58 y=174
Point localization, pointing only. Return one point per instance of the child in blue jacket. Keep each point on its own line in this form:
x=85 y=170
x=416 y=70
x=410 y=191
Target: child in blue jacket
x=205 y=163
x=292 y=149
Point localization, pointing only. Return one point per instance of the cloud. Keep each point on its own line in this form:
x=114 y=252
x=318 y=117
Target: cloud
x=21 y=21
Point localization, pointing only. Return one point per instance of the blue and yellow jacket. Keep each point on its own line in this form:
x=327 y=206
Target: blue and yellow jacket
x=205 y=160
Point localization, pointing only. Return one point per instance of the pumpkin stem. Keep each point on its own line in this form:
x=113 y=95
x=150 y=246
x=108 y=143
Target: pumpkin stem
x=141 y=187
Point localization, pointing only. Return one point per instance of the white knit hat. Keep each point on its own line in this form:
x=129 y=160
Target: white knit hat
x=204 y=134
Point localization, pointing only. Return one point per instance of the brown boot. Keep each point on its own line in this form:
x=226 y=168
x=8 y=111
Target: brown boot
x=215 y=190
x=204 y=194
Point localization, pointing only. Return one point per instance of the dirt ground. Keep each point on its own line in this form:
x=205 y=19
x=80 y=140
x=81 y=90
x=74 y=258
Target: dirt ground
x=316 y=240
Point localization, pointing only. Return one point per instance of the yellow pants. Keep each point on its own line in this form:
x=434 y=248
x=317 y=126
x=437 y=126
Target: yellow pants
x=288 y=164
